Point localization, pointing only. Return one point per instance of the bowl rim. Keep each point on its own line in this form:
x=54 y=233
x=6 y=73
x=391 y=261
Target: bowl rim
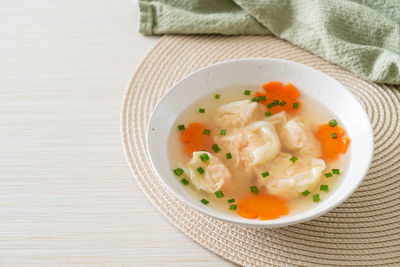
x=256 y=222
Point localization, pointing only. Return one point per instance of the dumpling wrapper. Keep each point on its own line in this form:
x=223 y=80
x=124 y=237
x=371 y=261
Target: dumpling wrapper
x=215 y=175
x=296 y=136
x=237 y=114
x=278 y=120
x=252 y=145
x=287 y=179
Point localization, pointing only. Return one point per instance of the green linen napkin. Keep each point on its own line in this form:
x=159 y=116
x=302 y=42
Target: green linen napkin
x=362 y=36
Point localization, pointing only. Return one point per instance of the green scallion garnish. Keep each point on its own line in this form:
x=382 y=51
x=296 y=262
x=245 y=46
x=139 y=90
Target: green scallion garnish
x=223 y=132
x=204 y=157
x=336 y=171
x=276 y=102
x=271 y=105
x=216 y=148
x=315 y=197
x=206 y=132
x=200 y=170
x=254 y=189
x=202 y=110
x=334 y=135
x=247 y=92
x=282 y=103
x=296 y=105
x=219 y=194
x=232 y=200
x=228 y=155
x=262 y=98
x=232 y=207
x=181 y=127
x=254 y=99
x=217 y=96
x=184 y=181
x=293 y=159
x=328 y=174
x=332 y=123
x=205 y=201
x=267 y=114
x=178 y=171
x=324 y=187
x=265 y=174
x=305 y=193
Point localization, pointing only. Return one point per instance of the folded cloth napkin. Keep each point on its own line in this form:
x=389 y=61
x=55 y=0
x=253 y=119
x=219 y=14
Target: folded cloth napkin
x=362 y=36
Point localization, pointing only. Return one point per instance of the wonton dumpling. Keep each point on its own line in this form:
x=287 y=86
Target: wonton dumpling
x=287 y=179
x=236 y=114
x=252 y=145
x=295 y=136
x=215 y=173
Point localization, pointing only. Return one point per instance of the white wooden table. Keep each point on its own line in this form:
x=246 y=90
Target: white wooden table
x=67 y=196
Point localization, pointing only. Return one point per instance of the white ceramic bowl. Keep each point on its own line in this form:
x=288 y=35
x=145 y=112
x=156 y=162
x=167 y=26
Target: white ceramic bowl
x=310 y=82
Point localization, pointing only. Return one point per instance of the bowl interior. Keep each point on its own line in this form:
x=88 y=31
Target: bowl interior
x=312 y=83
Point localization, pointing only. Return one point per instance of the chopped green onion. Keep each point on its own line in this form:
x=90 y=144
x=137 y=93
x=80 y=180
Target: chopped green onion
x=334 y=135
x=232 y=207
x=336 y=171
x=328 y=174
x=315 y=197
x=254 y=189
x=273 y=103
x=181 y=127
x=267 y=114
x=205 y=201
x=305 y=193
x=228 y=155
x=247 y=92
x=202 y=110
x=332 y=123
x=223 y=132
x=219 y=194
x=217 y=96
x=232 y=200
x=324 y=187
x=262 y=98
x=293 y=159
x=296 y=105
x=200 y=170
x=184 y=181
x=254 y=99
x=204 y=157
x=206 y=132
x=216 y=148
x=178 y=171
x=282 y=103
x=265 y=174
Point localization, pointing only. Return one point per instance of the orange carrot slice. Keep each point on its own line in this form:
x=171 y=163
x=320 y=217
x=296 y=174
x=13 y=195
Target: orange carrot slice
x=286 y=95
x=264 y=207
x=273 y=86
x=194 y=139
x=332 y=147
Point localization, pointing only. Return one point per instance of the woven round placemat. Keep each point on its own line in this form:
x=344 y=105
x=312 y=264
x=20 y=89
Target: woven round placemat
x=363 y=231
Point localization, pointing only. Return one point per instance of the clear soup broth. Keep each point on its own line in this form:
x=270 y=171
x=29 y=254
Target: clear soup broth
x=247 y=162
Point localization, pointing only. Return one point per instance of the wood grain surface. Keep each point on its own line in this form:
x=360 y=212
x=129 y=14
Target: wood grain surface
x=67 y=196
